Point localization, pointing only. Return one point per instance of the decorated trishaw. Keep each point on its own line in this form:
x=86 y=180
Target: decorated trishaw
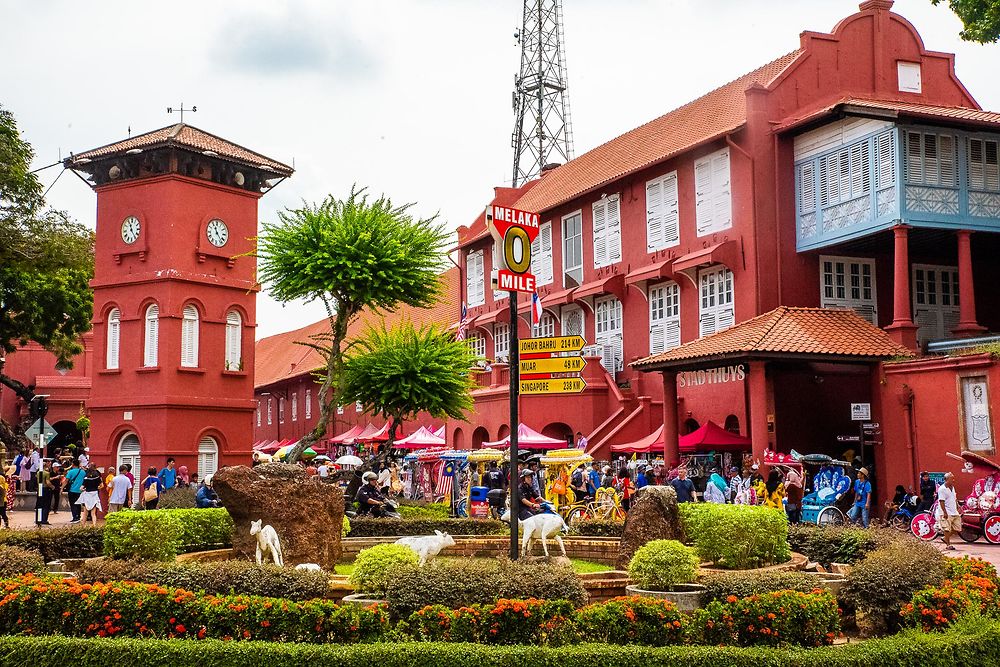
x=478 y=503
x=829 y=482
x=981 y=509
x=559 y=465
x=453 y=486
x=425 y=466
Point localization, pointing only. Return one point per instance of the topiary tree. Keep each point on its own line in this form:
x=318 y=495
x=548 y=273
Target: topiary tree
x=375 y=567
x=349 y=254
x=662 y=564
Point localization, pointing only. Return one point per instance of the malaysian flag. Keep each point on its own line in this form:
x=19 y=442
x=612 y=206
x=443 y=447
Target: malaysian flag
x=462 y=324
x=446 y=474
x=536 y=309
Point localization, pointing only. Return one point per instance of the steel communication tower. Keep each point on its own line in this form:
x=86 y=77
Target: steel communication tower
x=542 y=131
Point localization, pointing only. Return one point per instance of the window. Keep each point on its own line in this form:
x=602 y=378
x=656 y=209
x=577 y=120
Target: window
x=501 y=341
x=208 y=457
x=573 y=250
x=845 y=175
x=935 y=301
x=607 y=231
x=849 y=282
x=114 y=338
x=541 y=255
x=189 y=337
x=908 y=75
x=572 y=321
x=478 y=345
x=608 y=330
x=930 y=159
x=234 y=341
x=129 y=453
x=295 y=407
x=268 y=411
x=664 y=317
x=152 y=342
x=309 y=403
x=546 y=326
x=662 y=221
x=984 y=168
x=713 y=203
x=716 y=312
x=281 y=410
x=258 y=414
x=358 y=407
x=475 y=279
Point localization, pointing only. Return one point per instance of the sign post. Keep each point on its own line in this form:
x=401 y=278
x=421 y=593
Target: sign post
x=861 y=412
x=514 y=230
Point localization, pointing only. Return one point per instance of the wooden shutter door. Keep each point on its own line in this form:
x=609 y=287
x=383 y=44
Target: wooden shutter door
x=600 y=234
x=671 y=219
x=704 y=209
x=722 y=214
x=654 y=215
x=614 y=227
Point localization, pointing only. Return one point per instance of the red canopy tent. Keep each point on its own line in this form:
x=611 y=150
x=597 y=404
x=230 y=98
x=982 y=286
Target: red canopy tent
x=267 y=447
x=709 y=437
x=529 y=439
x=348 y=436
x=420 y=439
x=372 y=434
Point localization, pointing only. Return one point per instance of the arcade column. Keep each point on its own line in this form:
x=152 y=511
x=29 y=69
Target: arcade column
x=902 y=330
x=760 y=402
x=967 y=324
x=671 y=450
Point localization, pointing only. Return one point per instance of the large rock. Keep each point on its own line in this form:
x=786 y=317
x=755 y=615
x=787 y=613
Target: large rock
x=306 y=513
x=653 y=516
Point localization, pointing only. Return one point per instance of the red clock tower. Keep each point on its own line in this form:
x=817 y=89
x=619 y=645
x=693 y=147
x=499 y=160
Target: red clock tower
x=174 y=297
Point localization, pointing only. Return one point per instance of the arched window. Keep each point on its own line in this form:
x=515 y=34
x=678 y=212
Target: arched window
x=150 y=358
x=189 y=337
x=208 y=457
x=128 y=453
x=114 y=338
x=733 y=424
x=234 y=341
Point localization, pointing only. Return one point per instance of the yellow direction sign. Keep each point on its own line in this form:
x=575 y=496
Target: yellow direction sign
x=554 y=386
x=553 y=365
x=551 y=344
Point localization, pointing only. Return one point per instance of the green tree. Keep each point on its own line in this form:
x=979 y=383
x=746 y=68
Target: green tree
x=350 y=254
x=46 y=263
x=981 y=19
x=403 y=371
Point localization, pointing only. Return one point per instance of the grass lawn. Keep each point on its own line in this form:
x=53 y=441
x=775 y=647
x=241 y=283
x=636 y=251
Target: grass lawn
x=579 y=566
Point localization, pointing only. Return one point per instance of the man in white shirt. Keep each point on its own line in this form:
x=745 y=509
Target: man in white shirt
x=949 y=517
x=323 y=470
x=84 y=459
x=120 y=486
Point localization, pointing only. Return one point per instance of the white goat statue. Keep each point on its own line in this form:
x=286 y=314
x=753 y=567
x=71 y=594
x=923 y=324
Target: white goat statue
x=542 y=526
x=308 y=567
x=428 y=546
x=267 y=543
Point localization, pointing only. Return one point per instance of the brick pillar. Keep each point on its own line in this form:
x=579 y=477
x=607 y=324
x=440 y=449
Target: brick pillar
x=757 y=428
x=902 y=329
x=671 y=451
x=967 y=324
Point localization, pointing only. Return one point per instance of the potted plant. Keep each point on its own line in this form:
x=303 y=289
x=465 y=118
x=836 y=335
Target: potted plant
x=666 y=569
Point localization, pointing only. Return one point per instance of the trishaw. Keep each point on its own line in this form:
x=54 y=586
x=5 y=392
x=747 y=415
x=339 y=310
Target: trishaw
x=981 y=509
x=559 y=465
x=425 y=465
x=456 y=467
x=478 y=505
x=831 y=483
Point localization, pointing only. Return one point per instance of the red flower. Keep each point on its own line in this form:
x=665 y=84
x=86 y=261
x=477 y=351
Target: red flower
x=180 y=628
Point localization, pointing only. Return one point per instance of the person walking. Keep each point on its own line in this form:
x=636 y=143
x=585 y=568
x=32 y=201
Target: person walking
x=683 y=486
x=628 y=490
x=120 y=486
x=716 y=491
x=168 y=475
x=774 y=490
x=57 y=485
x=862 y=498
x=928 y=489
x=90 y=498
x=43 y=494
x=20 y=469
x=34 y=466
x=4 y=487
x=948 y=516
x=73 y=481
x=152 y=487
x=793 y=496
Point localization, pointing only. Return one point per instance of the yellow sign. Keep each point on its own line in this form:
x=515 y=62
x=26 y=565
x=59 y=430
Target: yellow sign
x=551 y=344
x=553 y=365
x=555 y=386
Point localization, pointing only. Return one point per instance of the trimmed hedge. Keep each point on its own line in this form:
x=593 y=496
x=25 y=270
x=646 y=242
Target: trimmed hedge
x=736 y=537
x=58 y=543
x=597 y=528
x=970 y=644
x=162 y=534
x=839 y=544
x=368 y=527
x=15 y=561
x=719 y=586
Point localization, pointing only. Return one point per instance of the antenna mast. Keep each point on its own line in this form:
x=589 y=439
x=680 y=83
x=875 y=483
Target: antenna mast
x=542 y=132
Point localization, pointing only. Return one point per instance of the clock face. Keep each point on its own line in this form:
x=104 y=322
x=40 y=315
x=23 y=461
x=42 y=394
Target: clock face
x=217 y=233
x=130 y=229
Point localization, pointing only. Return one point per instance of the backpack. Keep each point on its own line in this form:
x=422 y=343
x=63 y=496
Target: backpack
x=151 y=493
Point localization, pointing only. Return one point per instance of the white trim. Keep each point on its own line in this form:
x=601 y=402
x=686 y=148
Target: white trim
x=664 y=316
x=713 y=193
x=129 y=451
x=234 y=341
x=607 y=230
x=716 y=300
x=208 y=457
x=935 y=300
x=308 y=410
x=609 y=333
x=662 y=213
x=475 y=278
x=849 y=283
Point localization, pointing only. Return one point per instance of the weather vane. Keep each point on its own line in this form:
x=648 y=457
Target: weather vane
x=193 y=109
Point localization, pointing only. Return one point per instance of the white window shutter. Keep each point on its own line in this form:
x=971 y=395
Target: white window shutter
x=234 y=341
x=152 y=342
x=189 y=337
x=114 y=339
x=208 y=457
x=657 y=338
x=475 y=285
x=704 y=205
x=807 y=188
x=600 y=234
x=706 y=323
x=654 y=215
x=722 y=216
x=541 y=255
x=614 y=228
x=309 y=401
x=671 y=216
x=725 y=319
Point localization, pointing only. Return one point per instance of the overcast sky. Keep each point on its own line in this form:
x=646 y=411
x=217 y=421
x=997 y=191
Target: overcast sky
x=408 y=97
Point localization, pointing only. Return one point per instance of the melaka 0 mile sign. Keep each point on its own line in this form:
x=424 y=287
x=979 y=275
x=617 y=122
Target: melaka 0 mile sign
x=513 y=230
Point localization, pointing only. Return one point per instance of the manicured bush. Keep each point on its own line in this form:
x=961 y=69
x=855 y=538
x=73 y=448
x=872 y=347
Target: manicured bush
x=887 y=578
x=719 y=586
x=662 y=564
x=411 y=510
x=770 y=619
x=460 y=583
x=234 y=577
x=368 y=527
x=838 y=544
x=143 y=535
x=208 y=528
x=375 y=568
x=15 y=561
x=179 y=497
x=736 y=537
x=597 y=528
x=937 y=606
x=33 y=605
x=632 y=620
x=58 y=543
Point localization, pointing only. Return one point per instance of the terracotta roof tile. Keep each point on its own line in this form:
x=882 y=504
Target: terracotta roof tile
x=791 y=331
x=907 y=109
x=280 y=357
x=187 y=136
x=713 y=115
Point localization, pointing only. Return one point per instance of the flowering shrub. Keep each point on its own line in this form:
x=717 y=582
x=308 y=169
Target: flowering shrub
x=770 y=619
x=956 y=568
x=662 y=564
x=971 y=586
x=545 y=622
x=632 y=620
x=34 y=605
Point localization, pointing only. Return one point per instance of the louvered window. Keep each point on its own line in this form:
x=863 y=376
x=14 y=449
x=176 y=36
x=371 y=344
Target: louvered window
x=501 y=341
x=208 y=457
x=234 y=341
x=935 y=301
x=358 y=407
x=295 y=407
x=114 y=338
x=541 y=255
x=930 y=159
x=475 y=279
x=807 y=188
x=849 y=282
x=309 y=403
x=189 y=337
x=269 y=412
x=984 y=167
x=546 y=326
x=129 y=452
x=607 y=231
x=845 y=175
x=572 y=228
x=885 y=161
x=716 y=311
x=281 y=410
x=664 y=317
x=608 y=333
x=662 y=220
x=152 y=337
x=258 y=414
x=713 y=196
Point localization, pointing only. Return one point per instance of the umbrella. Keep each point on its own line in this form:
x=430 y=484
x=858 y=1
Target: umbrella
x=309 y=453
x=282 y=453
x=348 y=460
x=321 y=458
